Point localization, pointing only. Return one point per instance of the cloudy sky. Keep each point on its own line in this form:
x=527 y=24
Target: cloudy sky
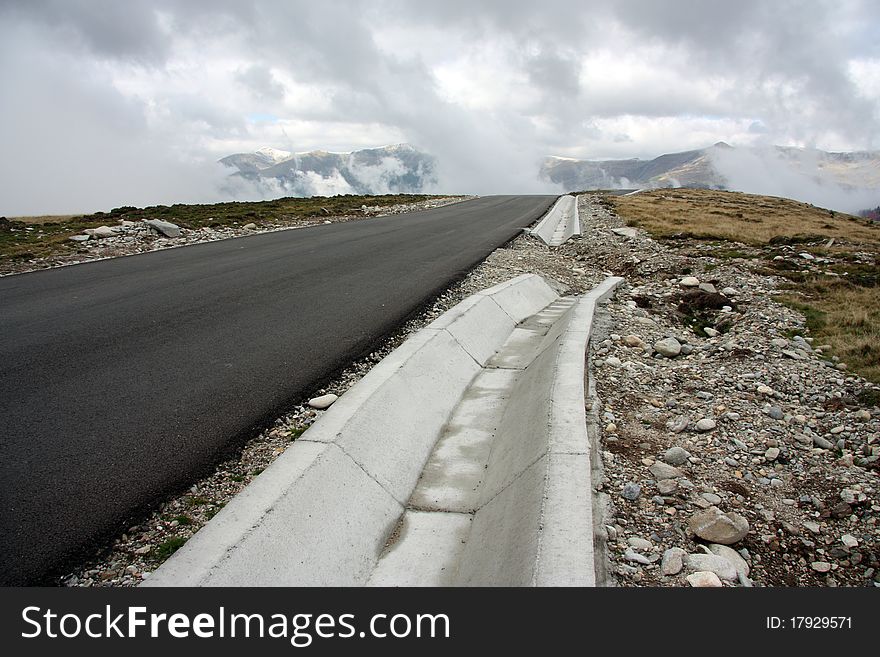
x=109 y=102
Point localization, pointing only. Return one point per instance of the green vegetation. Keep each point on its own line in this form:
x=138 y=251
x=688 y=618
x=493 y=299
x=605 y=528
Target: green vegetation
x=296 y=432
x=169 y=547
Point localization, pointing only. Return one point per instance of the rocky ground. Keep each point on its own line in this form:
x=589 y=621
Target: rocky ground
x=131 y=237
x=734 y=454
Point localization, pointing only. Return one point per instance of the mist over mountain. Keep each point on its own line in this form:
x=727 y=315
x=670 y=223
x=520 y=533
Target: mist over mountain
x=270 y=172
x=847 y=182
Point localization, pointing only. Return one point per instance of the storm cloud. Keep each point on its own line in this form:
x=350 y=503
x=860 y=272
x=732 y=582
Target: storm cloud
x=107 y=103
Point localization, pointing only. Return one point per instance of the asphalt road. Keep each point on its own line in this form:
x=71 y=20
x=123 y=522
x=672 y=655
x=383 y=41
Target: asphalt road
x=122 y=380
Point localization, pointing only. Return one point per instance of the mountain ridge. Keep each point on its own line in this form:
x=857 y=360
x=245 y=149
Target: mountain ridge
x=392 y=169
x=715 y=167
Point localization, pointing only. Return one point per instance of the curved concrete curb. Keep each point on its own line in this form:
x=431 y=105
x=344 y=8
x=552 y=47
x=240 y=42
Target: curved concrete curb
x=337 y=507
x=560 y=223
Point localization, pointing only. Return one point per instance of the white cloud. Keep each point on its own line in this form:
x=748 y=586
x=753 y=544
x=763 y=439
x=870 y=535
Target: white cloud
x=136 y=101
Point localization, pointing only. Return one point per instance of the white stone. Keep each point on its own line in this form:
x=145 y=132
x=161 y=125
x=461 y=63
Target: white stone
x=324 y=401
x=100 y=232
x=669 y=347
x=689 y=281
x=703 y=579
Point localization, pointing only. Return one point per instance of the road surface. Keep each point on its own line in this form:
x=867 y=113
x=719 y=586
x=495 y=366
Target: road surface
x=123 y=380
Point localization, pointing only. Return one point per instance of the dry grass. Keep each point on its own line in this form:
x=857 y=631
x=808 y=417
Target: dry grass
x=747 y=218
x=842 y=311
x=845 y=316
x=45 y=218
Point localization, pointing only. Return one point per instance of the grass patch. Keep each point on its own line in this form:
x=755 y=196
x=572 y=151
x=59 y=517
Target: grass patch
x=731 y=254
x=183 y=520
x=732 y=216
x=845 y=316
x=842 y=311
x=25 y=238
x=169 y=547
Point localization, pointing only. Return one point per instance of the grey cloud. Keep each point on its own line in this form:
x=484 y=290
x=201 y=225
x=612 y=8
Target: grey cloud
x=260 y=81
x=786 y=65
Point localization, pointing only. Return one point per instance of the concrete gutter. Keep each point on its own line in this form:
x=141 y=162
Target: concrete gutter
x=350 y=502
x=560 y=223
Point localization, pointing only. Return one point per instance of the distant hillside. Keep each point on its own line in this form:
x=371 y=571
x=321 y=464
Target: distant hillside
x=717 y=167
x=398 y=169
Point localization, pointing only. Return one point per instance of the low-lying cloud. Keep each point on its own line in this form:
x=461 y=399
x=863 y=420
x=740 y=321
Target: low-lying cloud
x=804 y=175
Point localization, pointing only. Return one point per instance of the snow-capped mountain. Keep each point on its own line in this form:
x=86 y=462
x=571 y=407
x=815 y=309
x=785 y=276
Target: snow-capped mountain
x=400 y=168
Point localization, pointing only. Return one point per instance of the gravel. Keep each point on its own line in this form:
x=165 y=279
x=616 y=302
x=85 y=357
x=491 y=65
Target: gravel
x=785 y=444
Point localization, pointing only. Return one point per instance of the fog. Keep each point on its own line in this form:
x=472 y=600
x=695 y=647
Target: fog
x=798 y=175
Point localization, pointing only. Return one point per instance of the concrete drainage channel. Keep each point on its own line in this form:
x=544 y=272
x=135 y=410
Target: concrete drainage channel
x=462 y=458
x=560 y=223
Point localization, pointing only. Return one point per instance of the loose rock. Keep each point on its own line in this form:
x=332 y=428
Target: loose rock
x=716 y=527
x=322 y=402
x=673 y=561
x=706 y=424
x=703 y=579
x=669 y=347
x=676 y=455
x=665 y=471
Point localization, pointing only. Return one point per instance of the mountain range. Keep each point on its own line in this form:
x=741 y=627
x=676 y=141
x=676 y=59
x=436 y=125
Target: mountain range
x=720 y=166
x=396 y=169
x=844 y=181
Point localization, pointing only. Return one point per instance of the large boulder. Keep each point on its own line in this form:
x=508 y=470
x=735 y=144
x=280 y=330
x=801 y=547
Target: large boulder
x=164 y=227
x=716 y=527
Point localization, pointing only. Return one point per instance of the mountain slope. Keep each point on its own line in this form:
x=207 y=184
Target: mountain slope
x=397 y=169
x=718 y=167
